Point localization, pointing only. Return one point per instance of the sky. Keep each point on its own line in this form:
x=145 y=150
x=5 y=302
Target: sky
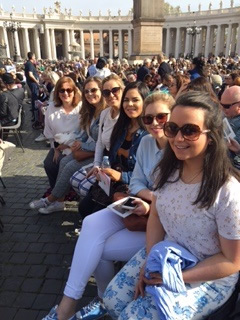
x=104 y=5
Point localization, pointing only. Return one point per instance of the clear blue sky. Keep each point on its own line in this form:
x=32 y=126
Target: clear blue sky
x=103 y=5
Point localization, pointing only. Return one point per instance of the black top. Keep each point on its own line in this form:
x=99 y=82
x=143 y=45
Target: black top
x=9 y=105
x=29 y=67
x=164 y=68
x=142 y=71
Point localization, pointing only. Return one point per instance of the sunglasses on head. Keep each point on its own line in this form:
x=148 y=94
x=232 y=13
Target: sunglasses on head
x=189 y=131
x=92 y=90
x=106 y=92
x=66 y=90
x=160 y=118
x=228 y=106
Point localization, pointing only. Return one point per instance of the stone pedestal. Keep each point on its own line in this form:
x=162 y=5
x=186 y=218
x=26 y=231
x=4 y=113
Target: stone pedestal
x=147 y=25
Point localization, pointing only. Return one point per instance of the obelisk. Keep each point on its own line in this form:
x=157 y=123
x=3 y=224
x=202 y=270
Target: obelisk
x=148 y=18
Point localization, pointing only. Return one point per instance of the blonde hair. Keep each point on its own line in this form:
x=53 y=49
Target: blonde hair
x=159 y=97
x=114 y=77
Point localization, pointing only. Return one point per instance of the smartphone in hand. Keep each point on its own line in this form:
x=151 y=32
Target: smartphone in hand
x=128 y=205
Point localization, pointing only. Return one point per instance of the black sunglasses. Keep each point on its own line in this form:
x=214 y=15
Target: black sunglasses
x=106 y=93
x=92 y=90
x=66 y=90
x=189 y=131
x=160 y=117
x=228 y=106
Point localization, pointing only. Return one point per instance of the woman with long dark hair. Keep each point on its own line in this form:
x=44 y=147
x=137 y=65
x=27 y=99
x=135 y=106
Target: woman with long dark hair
x=196 y=206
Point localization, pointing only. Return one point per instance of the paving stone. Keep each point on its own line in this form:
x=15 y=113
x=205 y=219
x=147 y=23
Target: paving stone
x=35 y=247
x=20 y=270
x=35 y=258
x=7 y=298
x=51 y=248
x=7 y=313
x=56 y=273
x=37 y=271
x=12 y=284
x=25 y=300
x=53 y=259
x=24 y=314
x=18 y=258
x=52 y=286
x=44 y=302
x=31 y=285
x=20 y=247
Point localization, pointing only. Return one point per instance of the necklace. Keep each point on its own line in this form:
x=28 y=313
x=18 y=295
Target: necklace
x=193 y=178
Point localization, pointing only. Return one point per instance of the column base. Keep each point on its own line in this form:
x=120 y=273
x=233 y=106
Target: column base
x=16 y=58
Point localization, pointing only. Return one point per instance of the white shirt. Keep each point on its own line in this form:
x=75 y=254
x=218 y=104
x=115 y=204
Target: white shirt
x=57 y=121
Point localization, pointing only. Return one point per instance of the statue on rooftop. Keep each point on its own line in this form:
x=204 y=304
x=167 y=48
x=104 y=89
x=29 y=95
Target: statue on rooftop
x=57 y=8
x=210 y=6
x=231 y=3
x=221 y=4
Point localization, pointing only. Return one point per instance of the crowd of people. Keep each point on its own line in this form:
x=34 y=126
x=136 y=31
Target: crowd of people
x=169 y=130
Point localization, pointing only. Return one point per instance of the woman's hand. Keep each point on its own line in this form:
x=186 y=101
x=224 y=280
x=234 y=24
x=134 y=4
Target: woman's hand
x=62 y=147
x=56 y=155
x=123 y=152
x=113 y=174
x=93 y=172
x=155 y=279
x=233 y=145
x=141 y=208
x=140 y=286
x=76 y=146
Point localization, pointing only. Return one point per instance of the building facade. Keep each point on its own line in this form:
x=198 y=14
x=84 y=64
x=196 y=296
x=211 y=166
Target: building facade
x=57 y=34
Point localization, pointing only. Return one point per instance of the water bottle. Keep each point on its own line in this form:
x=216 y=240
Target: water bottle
x=106 y=162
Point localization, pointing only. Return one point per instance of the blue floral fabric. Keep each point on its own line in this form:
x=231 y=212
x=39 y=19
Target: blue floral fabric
x=200 y=300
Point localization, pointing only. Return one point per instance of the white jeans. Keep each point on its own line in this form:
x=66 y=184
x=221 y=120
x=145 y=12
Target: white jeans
x=102 y=240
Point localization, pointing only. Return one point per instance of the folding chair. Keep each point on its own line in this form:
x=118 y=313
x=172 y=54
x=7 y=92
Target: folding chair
x=16 y=129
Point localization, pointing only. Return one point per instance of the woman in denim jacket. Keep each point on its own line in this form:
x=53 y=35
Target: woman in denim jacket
x=82 y=149
x=126 y=136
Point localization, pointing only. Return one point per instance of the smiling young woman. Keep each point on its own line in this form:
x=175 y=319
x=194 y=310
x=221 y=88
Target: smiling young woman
x=196 y=205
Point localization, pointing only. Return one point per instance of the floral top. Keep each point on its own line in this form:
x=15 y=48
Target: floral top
x=195 y=228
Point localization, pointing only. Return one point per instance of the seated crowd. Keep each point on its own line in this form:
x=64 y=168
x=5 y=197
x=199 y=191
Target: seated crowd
x=163 y=128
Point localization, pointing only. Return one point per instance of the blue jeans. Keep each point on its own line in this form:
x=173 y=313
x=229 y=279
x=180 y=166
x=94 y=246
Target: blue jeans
x=35 y=92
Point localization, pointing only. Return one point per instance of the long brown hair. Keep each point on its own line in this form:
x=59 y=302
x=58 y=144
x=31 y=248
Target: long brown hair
x=77 y=94
x=88 y=111
x=217 y=167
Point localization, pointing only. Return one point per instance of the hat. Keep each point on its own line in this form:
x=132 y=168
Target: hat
x=8 y=78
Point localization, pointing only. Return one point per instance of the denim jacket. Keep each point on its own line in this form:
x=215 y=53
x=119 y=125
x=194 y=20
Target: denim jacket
x=235 y=124
x=89 y=139
x=114 y=158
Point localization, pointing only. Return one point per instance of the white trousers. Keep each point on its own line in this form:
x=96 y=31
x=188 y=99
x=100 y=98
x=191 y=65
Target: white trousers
x=102 y=240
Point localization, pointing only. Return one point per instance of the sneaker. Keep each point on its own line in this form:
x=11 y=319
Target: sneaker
x=53 y=207
x=40 y=138
x=53 y=315
x=37 y=204
x=94 y=310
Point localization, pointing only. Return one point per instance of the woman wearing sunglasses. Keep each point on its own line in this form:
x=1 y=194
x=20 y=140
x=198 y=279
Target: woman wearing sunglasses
x=196 y=205
x=62 y=116
x=82 y=149
x=104 y=237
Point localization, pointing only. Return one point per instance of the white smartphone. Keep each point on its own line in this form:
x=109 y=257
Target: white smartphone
x=128 y=205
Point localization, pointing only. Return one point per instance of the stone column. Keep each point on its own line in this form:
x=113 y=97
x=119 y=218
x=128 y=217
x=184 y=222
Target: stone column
x=37 y=43
x=177 y=43
x=26 y=41
x=218 y=40
x=53 y=44
x=72 y=39
x=47 y=45
x=101 y=43
x=120 y=44
x=167 y=41
x=234 y=38
x=17 y=43
x=5 y=39
x=196 y=46
x=229 y=34
x=67 y=43
x=91 y=44
x=82 y=44
x=238 y=40
x=129 y=43
x=186 y=51
x=206 y=53
x=110 y=44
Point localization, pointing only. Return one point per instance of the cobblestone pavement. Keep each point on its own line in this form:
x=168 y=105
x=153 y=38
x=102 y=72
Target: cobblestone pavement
x=35 y=251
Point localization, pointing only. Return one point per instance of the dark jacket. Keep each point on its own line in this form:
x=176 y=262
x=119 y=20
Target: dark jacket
x=10 y=102
x=142 y=72
x=163 y=69
x=115 y=159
